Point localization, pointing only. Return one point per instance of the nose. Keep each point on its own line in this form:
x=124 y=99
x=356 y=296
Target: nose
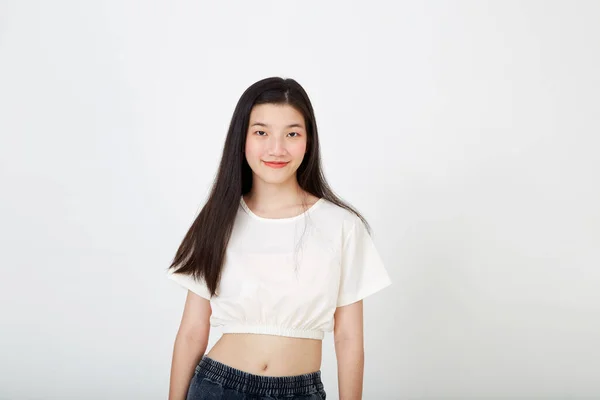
x=276 y=146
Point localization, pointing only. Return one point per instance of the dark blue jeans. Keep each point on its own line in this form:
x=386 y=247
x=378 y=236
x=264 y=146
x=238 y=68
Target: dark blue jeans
x=214 y=380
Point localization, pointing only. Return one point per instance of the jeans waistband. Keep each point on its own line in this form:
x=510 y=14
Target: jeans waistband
x=258 y=384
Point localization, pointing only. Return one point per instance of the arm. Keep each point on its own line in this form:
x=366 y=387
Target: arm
x=190 y=344
x=349 y=350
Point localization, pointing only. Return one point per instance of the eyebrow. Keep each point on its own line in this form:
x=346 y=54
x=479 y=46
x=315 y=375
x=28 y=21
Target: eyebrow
x=268 y=126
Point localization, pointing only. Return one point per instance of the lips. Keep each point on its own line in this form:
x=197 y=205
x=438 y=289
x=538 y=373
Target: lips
x=275 y=164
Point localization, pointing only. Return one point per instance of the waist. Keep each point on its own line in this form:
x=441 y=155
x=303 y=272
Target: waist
x=223 y=377
x=268 y=355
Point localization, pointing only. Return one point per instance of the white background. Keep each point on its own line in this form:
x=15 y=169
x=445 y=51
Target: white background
x=467 y=132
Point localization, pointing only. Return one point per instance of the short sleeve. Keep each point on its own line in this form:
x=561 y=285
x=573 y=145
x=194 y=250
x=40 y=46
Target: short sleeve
x=188 y=282
x=363 y=272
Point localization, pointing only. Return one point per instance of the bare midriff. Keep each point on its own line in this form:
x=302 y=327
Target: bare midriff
x=268 y=355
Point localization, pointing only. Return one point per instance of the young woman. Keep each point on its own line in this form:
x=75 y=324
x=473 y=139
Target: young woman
x=273 y=259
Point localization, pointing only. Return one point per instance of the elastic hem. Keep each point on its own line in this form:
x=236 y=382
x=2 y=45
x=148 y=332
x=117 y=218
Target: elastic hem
x=252 y=384
x=274 y=330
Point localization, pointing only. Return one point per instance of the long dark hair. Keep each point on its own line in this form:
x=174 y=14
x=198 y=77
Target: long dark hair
x=202 y=251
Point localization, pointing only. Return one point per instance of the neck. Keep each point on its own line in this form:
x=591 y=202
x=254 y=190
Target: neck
x=274 y=196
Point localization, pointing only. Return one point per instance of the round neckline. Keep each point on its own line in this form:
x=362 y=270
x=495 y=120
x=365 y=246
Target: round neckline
x=249 y=211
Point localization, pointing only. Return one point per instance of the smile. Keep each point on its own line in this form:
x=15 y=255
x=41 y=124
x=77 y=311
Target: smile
x=275 y=164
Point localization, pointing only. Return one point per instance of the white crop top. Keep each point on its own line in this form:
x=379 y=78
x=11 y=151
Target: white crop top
x=287 y=276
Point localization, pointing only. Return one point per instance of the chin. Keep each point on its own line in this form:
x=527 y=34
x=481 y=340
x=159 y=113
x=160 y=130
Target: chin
x=274 y=178
x=274 y=181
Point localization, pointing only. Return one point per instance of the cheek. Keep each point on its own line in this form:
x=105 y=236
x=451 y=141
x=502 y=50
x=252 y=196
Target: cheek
x=252 y=150
x=298 y=150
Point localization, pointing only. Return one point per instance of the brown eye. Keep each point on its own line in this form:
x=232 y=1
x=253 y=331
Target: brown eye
x=297 y=134
x=260 y=132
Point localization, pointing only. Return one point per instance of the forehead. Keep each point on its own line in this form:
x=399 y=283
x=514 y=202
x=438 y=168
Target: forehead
x=276 y=116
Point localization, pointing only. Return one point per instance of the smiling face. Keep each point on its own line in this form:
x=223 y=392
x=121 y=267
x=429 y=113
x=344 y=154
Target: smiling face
x=276 y=134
